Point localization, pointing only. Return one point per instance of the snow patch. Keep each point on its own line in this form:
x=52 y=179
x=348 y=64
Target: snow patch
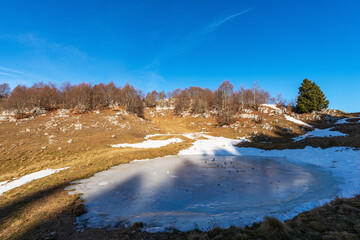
x=294 y=120
x=218 y=146
x=320 y=133
x=273 y=106
x=8 y=185
x=150 y=143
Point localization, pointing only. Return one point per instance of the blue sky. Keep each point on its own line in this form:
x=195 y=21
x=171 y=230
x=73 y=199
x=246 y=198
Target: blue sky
x=171 y=44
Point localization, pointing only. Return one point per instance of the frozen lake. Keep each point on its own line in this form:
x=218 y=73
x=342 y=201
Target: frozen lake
x=194 y=191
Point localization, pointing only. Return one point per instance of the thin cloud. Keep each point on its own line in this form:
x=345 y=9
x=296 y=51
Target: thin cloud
x=34 y=41
x=191 y=41
x=10 y=70
x=213 y=26
x=197 y=37
x=8 y=75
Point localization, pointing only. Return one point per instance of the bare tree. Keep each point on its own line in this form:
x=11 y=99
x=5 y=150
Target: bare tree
x=19 y=98
x=182 y=102
x=151 y=98
x=99 y=95
x=222 y=94
x=4 y=90
x=201 y=99
x=131 y=100
x=81 y=97
x=162 y=95
x=44 y=96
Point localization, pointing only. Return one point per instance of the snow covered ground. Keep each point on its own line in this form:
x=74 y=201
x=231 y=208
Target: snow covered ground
x=320 y=133
x=149 y=143
x=159 y=143
x=294 y=120
x=344 y=120
x=213 y=183
x=287 y=117
x=8 y=185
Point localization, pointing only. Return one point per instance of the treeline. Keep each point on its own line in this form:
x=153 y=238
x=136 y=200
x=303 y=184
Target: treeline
x=82 y=97
x=224 y=100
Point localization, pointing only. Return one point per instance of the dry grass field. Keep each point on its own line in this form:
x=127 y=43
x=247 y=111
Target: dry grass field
x=42 y=209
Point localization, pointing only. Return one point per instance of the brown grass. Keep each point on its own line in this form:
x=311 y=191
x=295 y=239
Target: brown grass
x=43 y=209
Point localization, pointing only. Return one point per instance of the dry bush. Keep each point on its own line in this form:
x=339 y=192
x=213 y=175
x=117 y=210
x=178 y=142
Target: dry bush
x=273 y=228
x=225 y=117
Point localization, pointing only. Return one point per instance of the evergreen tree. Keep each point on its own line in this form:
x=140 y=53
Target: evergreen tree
x=310 y=97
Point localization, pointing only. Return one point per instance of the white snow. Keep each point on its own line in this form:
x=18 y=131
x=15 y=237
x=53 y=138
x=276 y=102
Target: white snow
x=344 y=120
x=218 y=146
x=271 y=106
x=150 y=143
x=3 y=183
x=289 y=118
x=8 y=185
x=320 y=133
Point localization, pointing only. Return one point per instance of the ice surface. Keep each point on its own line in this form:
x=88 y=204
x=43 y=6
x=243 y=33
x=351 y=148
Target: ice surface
x=213 y=183
x=187 y=192
x=320 y=133
x=8 y=185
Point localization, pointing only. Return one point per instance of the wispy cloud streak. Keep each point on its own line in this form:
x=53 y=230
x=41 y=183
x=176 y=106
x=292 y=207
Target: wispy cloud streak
x=10 y=70
x=213 y=26
x=197 y=37
x=8 y=75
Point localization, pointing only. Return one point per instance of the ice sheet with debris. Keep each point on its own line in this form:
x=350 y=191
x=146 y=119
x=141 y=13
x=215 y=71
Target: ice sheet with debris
x=193 y=191
x=149 y=143
x=214 y=183
x=8 y=185
x=320 y=133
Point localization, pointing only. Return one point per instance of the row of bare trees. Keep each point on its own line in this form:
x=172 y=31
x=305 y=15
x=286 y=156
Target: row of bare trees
x=224 y=98
x=82 y=97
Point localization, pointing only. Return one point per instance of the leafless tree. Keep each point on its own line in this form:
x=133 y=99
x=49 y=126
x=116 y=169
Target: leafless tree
x=131 y=100
x=151 y=98
x=162 y=95
x=222 y=95
x=182 y=102
x=19 y=98
x=4 y=90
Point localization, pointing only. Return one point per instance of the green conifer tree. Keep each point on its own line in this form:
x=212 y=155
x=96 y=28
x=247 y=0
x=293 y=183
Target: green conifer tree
x=310 y=97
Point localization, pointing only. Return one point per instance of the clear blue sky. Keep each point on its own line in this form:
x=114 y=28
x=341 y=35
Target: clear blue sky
x=171 y=44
